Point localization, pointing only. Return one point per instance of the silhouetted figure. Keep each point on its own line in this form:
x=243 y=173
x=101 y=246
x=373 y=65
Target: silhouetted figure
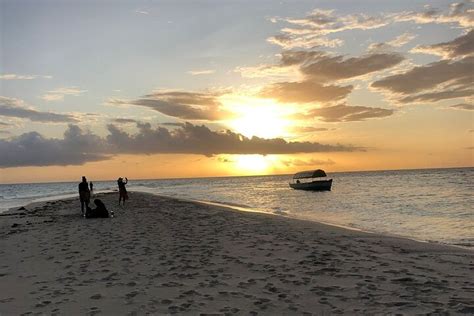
x=84 y=195
x=99 y=212
x=123 y=195
x=91 y=186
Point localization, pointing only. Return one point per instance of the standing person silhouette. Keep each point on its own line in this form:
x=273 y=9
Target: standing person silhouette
x=91 y=186
x=123 y=195
x=84 y=195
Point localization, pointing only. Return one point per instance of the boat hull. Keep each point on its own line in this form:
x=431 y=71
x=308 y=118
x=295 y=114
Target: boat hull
x=323 y=185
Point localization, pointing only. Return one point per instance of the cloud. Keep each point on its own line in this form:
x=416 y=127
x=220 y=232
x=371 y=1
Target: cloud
x=463 y=106
x=60 y=93
x=12 y=107
x=3 y=126
x=180 y=104
x=460 y=14
x=193 y=139
x=312 y=30
x=32 y=149
x=307 y=163
x=23 y=77
x=459 y=47
x=268 y=71
x=287 y=68
x=308 y=129
x=401 y=40
x=78 y=147
x=125 y=121
x=432 y=82
x=299 y=57
x=288 y=41
x=201 y=72
x=328 y=68
x=397 y=42
x=320 y=66
x=173 y=124
x=225 y=160
x=304 y=92
x=347 y=113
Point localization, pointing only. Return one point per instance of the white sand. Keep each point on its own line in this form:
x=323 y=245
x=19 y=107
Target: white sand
x=164 y=256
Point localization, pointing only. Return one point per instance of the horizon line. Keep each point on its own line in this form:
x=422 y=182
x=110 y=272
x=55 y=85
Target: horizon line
x=242 y=176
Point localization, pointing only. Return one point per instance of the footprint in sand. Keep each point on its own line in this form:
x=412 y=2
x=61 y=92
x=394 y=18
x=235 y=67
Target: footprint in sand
x=96 y=296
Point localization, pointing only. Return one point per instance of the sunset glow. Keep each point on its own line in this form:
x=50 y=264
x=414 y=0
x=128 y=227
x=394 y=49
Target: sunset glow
x=256 y=164
x=359 y=85
x=261 y=118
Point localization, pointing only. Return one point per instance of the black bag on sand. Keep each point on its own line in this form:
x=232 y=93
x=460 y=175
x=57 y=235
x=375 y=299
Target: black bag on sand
x=99 y=212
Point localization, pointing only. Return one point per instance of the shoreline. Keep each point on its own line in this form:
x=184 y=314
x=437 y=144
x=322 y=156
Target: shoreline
x=39 y=202
x=252 y=210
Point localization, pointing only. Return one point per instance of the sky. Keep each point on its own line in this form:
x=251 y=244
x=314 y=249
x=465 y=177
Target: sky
x=178 y=89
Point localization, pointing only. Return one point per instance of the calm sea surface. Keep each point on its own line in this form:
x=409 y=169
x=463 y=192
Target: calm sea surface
x=433 y=205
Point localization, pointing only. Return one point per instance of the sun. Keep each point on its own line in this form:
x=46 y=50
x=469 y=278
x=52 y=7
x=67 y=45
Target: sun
x=259 y=117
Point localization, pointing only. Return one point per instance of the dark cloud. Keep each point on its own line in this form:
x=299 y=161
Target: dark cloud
x=463 y=106
x=461 y=46
x=449 y=93
x=346 y=113
x=125 y=121
x=328 y=68
x=193 y=139
x=318 y=67
x=307 y=163
x=180 y=104
x=14 y=108
x=321 y=66
x=436 y=81
x=304 y=92
x=78 y=147
x=225 y=160
x=308 y=129
x=298 y=57
x=175 y=124
x=32 y=149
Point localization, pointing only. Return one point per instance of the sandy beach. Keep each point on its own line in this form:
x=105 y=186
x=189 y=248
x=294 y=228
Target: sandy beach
x=166 y=256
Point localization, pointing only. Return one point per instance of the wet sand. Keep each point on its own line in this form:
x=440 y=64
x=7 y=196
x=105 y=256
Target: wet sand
x=166 y=256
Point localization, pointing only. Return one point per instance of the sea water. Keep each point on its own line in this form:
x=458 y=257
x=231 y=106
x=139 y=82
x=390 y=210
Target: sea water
x=433 y=205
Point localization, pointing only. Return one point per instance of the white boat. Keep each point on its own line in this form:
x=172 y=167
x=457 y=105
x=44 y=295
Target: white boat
x=311 y=181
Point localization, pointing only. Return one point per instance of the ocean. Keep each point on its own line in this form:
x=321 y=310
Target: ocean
x=434 y=205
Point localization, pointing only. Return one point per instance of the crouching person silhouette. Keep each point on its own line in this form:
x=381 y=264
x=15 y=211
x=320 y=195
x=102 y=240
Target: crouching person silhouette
x=99 y=212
